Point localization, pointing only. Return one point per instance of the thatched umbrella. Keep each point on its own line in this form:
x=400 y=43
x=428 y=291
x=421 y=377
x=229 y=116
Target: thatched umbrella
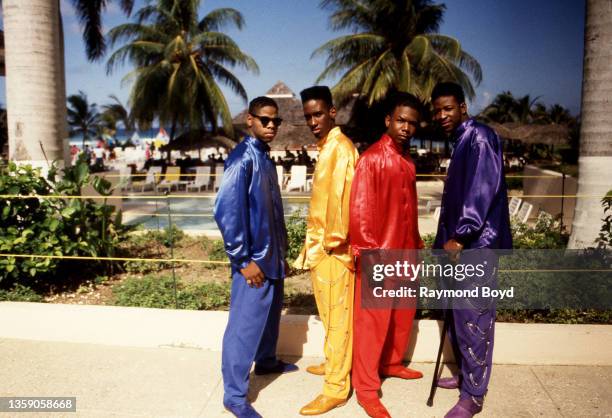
x=550 y=134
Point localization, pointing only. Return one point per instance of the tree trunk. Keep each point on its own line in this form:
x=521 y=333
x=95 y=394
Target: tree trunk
x=595 y=162
x=35 y=82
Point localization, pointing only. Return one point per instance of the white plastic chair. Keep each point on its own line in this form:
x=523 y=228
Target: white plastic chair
x=524 y=212
x=280 y=173
x=436 y=214
x=514 y=205
x=171 y=180
x=218 y=176
x=125 y=178
x=298 y=178
x=151 y=179
x=432 y=204
x=202 y=178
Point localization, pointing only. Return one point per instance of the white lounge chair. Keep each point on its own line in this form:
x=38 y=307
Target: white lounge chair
x=436 y=214
x=202 y=178
x=125 y=178
x=218 y=176
x=432 y=204
x=298 y=178
x=151 y=179
x=524 y=212
x=280 y=173
x=514 y=205
x=171 y=180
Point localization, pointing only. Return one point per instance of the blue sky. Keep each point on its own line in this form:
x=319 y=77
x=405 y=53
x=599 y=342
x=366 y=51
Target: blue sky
x=528 y=47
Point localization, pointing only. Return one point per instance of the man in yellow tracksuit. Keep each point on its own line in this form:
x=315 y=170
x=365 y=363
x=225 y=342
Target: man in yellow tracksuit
x=326 y=251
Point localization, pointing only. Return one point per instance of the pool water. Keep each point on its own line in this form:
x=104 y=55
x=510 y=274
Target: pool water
x=186 y=213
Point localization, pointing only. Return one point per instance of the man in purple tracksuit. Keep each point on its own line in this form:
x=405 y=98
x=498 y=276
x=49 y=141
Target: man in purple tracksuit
x=474 y=216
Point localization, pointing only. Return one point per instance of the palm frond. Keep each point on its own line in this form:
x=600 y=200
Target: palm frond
x=221 y=18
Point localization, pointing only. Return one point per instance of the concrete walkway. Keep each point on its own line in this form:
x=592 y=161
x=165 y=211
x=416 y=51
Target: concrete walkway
x=112 y=381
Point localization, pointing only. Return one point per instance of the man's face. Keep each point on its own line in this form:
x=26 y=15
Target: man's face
x=402 y=124
x=319 y=118
x=449 y=113
x=264 y=123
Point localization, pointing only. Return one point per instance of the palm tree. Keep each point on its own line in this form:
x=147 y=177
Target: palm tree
x=33 y=28
x=83 y=117
x=35 y=82
x=595 y=161
x=115 y=112
x=179 y=62
x=394 y=45
x=505 y=108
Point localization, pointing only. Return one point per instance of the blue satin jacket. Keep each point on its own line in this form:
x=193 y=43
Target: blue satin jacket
x=249 y=210
x=475 y=198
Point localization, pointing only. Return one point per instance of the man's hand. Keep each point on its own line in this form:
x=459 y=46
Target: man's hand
x=453 y=248
x=253 y=275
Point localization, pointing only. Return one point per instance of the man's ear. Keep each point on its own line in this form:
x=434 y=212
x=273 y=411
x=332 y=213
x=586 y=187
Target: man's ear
x=249 y=121
x=333 y=112
x=463 y=107
x=387 y=121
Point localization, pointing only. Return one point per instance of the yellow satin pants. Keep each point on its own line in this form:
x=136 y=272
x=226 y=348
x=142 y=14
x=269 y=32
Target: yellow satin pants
x=334 y=286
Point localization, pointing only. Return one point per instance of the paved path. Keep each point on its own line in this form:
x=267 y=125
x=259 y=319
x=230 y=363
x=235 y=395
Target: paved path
x=111 y=381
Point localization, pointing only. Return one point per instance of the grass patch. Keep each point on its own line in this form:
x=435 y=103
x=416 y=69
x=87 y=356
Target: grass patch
x=20 y=293
x=158 y=292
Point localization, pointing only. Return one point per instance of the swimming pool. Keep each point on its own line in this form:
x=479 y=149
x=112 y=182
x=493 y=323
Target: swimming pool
x=187 y=213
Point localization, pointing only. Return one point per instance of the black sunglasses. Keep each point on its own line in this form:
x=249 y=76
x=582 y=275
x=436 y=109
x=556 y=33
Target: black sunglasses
x=266 y=120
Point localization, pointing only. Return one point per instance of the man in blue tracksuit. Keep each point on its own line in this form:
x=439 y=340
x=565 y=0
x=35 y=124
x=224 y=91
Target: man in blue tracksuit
x=249 y=213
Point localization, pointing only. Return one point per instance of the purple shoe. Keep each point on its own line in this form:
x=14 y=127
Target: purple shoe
x=449 y=382
x=465 y=408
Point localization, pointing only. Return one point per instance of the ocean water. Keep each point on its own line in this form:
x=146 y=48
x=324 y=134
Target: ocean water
x=121 y=136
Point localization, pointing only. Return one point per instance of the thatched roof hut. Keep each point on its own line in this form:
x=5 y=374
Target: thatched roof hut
x=549 y=134
x=293 y=133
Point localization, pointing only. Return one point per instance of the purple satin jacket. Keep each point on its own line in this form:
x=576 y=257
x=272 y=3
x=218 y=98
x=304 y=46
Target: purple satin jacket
x=475 y=198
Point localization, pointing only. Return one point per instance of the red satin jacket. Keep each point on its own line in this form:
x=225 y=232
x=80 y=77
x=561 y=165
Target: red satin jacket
x=383 y=204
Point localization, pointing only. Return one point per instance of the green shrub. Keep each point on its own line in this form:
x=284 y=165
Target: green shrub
x=158 y=292
x=296 y=234
x=545 y=234
x=39 y=226
x=146 y=267
x=20 y=293
x=429 y=239
x=216 y=251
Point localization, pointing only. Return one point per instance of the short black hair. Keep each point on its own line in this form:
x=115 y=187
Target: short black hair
x=448 y=88
x=400 y=98
x=317 y=93
x=261 y=101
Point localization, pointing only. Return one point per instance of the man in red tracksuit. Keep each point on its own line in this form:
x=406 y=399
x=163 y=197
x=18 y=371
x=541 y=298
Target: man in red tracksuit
x=383 y=215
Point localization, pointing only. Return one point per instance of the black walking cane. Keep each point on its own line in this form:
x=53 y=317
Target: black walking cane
x=434 y=381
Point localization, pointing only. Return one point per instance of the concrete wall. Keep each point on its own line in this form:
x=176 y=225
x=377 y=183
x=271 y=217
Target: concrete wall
x=551 y=184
